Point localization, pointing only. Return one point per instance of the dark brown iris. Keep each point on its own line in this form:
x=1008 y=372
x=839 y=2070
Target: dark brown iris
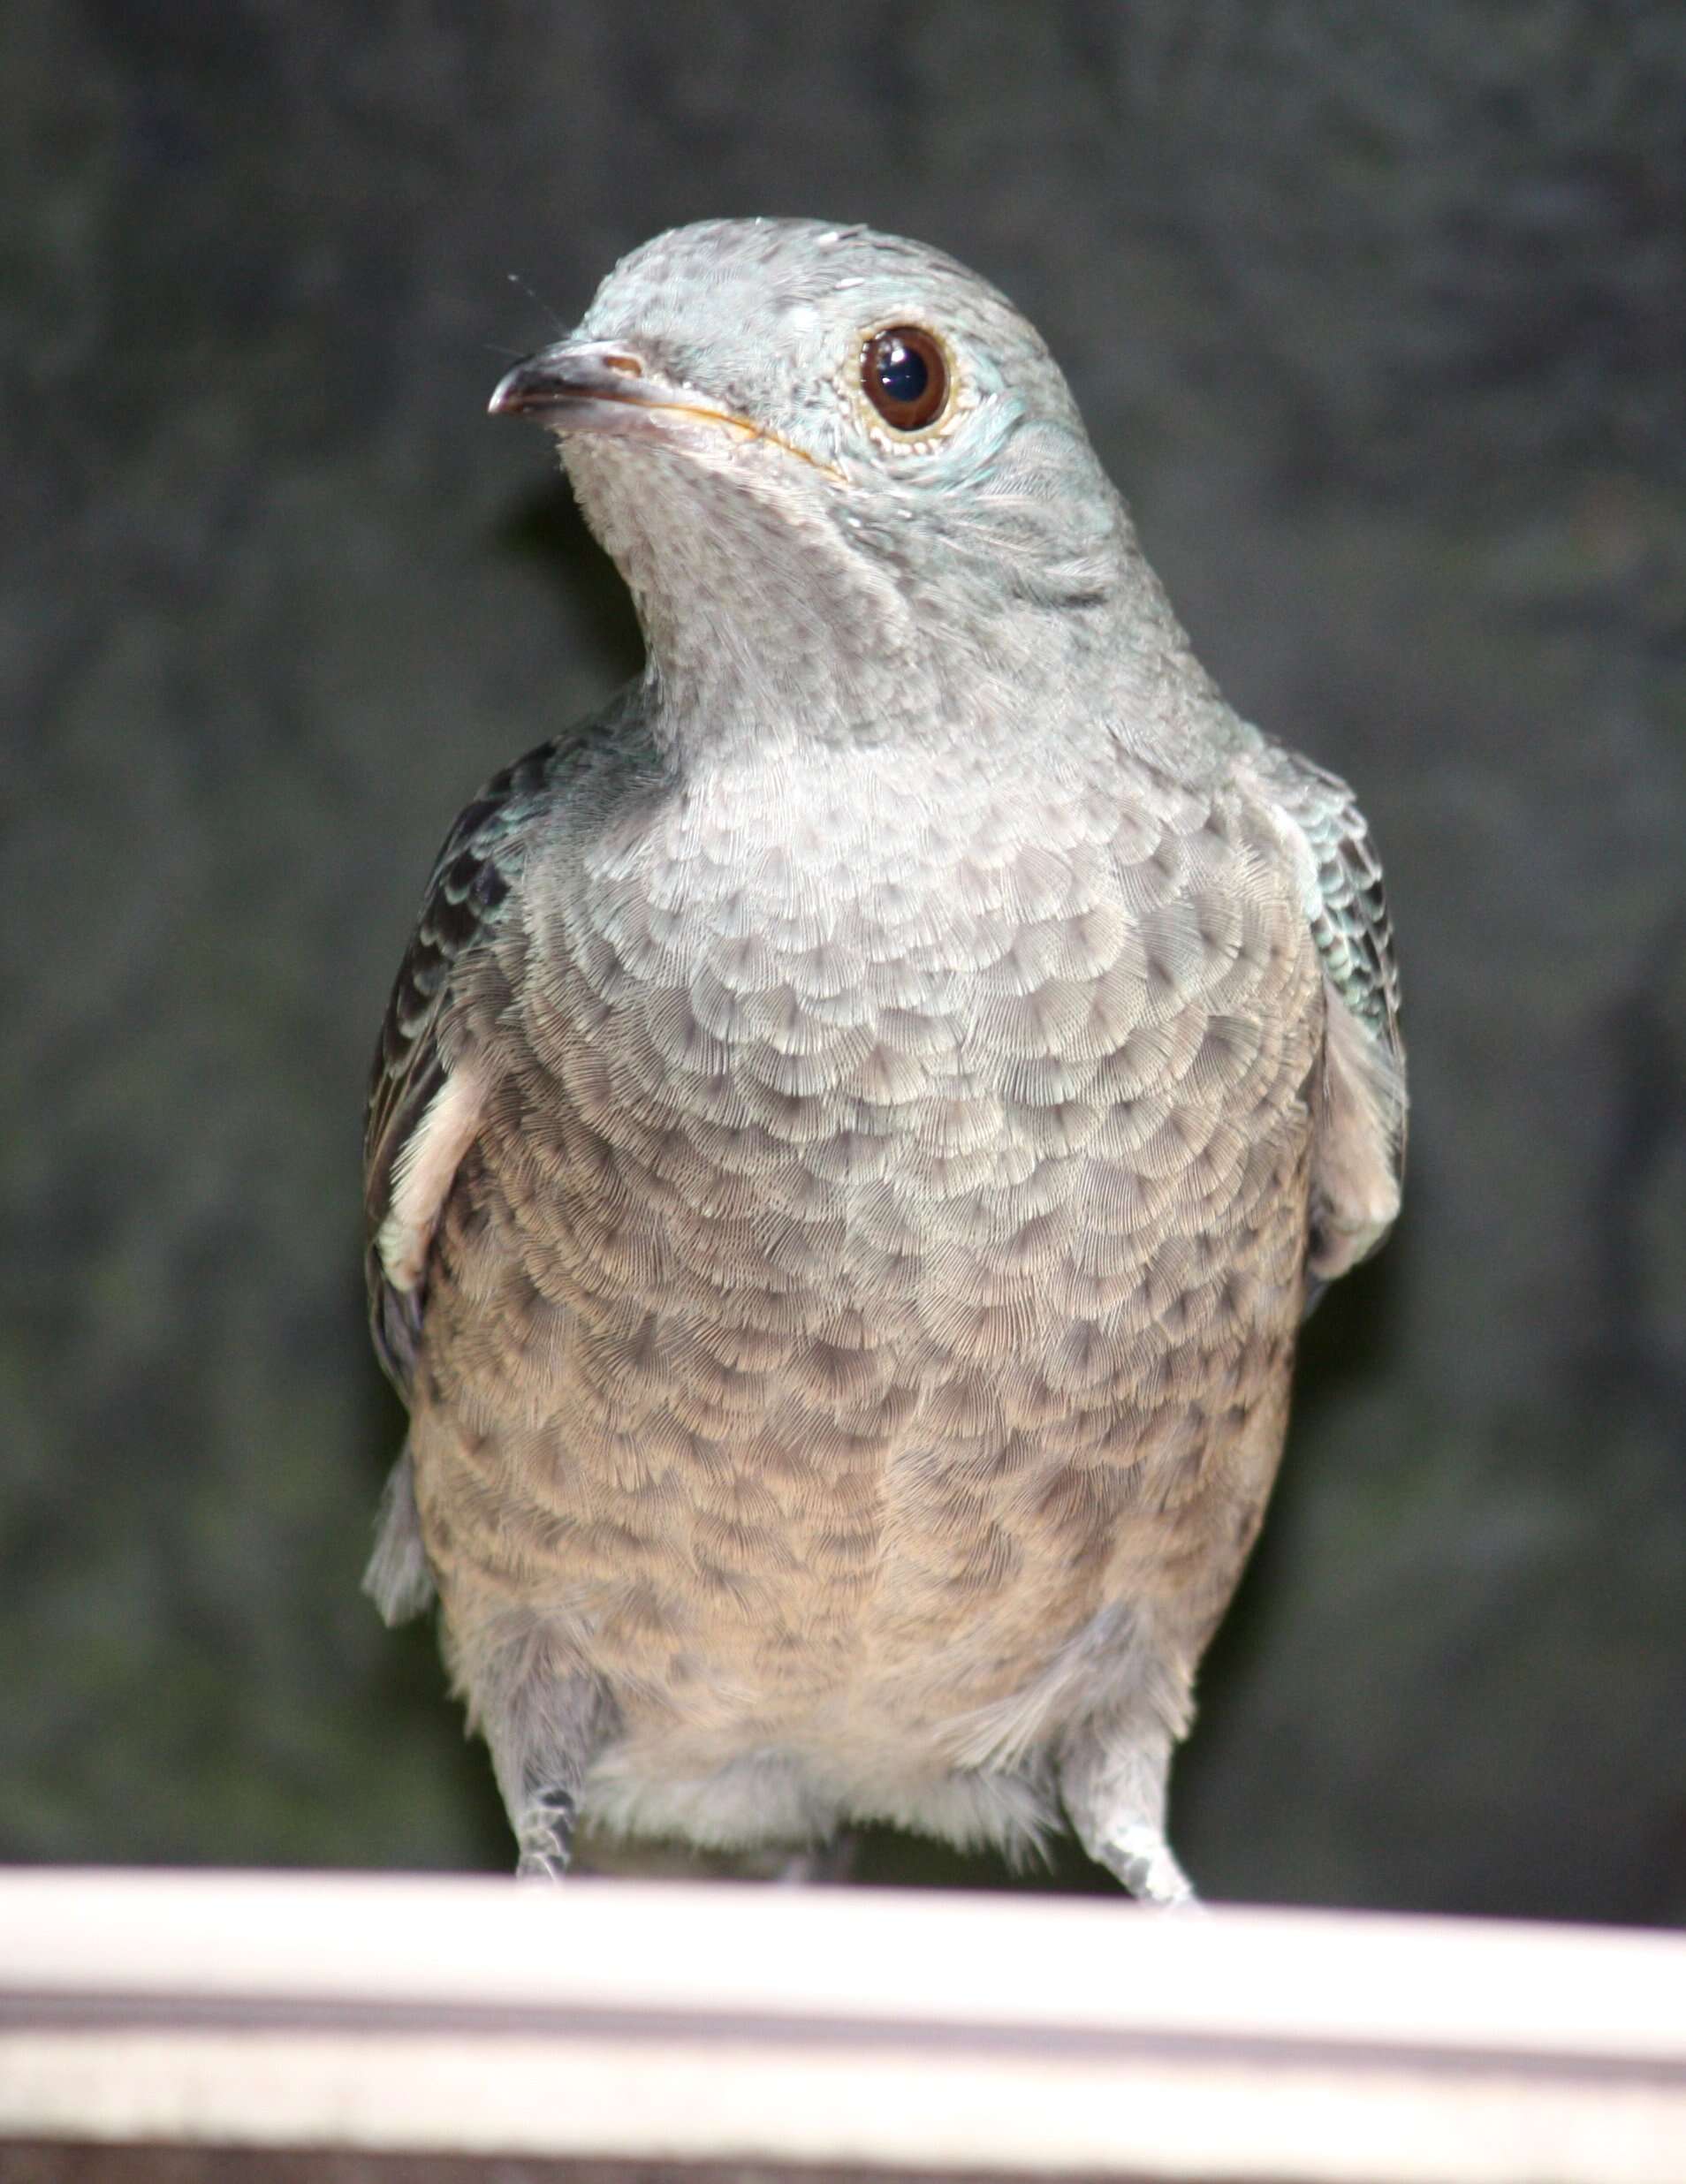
x=905 y=376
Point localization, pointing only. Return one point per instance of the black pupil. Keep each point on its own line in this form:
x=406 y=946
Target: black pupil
x=903 y=373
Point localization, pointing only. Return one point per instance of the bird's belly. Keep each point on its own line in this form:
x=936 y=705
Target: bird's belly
x=845 y=1334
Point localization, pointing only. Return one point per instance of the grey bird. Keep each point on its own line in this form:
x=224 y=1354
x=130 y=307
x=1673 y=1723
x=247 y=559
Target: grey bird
x=861 y=1119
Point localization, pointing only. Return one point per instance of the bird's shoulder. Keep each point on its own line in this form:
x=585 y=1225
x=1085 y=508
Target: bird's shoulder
x=1345 y=895
x=425 y=1085
x=1360 y=1159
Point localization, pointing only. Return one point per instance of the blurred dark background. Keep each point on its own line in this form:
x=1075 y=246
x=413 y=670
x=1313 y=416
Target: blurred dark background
x=1378 y=316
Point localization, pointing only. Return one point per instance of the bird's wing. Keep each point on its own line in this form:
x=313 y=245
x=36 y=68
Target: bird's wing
x=1358 y=1162
x=429 y=1085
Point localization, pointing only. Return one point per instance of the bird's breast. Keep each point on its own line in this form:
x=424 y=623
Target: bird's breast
x=1002 y=1075
x=878 y=1218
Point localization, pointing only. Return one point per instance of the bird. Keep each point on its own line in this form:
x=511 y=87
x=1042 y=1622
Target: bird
x=862 y=1118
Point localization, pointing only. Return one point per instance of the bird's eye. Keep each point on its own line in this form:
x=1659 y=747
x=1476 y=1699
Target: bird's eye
x=905 y=376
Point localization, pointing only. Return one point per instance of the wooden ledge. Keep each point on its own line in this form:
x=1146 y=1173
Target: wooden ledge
x=673 y=2027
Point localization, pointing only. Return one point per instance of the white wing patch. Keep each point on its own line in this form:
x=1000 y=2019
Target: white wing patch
x=423 y=1175
x=1355 y=1163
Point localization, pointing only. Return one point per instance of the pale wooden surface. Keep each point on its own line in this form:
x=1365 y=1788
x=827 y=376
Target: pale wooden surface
x=668 y=2027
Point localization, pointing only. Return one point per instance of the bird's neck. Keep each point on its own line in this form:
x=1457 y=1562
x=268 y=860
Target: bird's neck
x=759 y=637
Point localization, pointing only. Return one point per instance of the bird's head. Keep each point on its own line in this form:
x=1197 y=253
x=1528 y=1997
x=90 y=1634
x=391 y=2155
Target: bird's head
x=815 y=443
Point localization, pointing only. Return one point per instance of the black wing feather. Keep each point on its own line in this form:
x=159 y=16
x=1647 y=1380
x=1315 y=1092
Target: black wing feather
x=466 y=901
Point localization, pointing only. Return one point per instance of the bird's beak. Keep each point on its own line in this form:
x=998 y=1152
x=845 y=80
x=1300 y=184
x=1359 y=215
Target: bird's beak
x=610 y=387
x=584 y=386
x=605 y=387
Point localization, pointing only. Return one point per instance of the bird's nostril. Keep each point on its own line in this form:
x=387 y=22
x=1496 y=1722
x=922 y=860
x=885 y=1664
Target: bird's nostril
x=614 y=362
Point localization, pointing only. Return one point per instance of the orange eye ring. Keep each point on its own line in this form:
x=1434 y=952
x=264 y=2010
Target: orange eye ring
x=904 y=375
